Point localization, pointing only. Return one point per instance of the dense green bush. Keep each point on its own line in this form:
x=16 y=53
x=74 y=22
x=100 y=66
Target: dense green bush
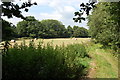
x=44 y=62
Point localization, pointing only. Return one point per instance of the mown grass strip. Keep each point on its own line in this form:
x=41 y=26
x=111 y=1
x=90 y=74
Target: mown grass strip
x=106 y=63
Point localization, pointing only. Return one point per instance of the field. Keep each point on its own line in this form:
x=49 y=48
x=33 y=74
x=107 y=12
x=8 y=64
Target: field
x=57 y=41
x=103 y=64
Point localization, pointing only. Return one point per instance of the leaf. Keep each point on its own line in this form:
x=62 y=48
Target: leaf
x=74 y=18
x=26 y=10
x=76 y=13
x=35 y=3
x=9 y=16
x=82 y=5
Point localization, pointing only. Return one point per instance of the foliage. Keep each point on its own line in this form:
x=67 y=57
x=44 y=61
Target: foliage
x=8 y=30
x=53 y=28
x=84 y=8
x=104 y=22
x=69 y=31
x=44 y=62
x=11 y=9
x=80 y=32
x=29 y=28
x=48 y=29
x=105 y=29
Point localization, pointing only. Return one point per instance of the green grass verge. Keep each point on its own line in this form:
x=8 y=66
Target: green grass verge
x=106 y=64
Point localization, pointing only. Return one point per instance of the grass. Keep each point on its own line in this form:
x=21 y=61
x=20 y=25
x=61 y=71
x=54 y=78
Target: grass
x=106 y=64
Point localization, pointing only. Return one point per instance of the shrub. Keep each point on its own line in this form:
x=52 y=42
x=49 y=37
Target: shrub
x=44 y=62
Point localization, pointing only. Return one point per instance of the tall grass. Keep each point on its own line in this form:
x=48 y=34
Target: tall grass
x=44 y=62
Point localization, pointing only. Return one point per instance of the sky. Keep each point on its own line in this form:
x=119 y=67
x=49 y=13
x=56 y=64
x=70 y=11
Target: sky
x=61 y=10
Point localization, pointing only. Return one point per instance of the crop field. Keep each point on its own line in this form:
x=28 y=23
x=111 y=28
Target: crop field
x=56 y=41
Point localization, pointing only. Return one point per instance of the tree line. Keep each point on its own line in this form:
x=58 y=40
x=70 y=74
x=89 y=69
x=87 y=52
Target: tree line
x=104 y=24
x=48 y=28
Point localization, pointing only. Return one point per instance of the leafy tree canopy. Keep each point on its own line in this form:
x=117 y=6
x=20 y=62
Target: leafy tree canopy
x=104 y=24
x=11 y=9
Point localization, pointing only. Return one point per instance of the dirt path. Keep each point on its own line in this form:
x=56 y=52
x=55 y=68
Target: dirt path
x=92 y=70
x=102 y=65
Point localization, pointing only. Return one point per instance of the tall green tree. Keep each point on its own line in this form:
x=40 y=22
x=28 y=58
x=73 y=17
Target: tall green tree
x=43 y=29
x=53 y=28
x=80 y=32
x=70 y=31
x=75 y=27
x=29 y=28
x=104 y=24
x=8 y=30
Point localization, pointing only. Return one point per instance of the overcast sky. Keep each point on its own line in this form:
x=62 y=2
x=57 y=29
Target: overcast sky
x=62 y=10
